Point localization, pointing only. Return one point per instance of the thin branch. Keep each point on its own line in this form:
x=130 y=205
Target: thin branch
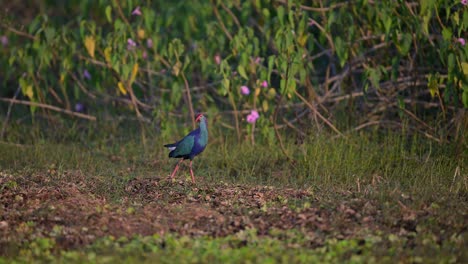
x=81 y=86
x=275 y=116
x=18 y=32
x=329 y=38
x=121 y=14
x=236 y=115
x=315 y=9
x=289 y=124
x=7 y=118
x=234 y=18
x=133 y=99
x=56 y=96
x=189 y=99
x=221 y=23
x=318 y=113
x=49 y=107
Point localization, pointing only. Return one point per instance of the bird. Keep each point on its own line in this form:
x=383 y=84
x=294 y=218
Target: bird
x=190 y=146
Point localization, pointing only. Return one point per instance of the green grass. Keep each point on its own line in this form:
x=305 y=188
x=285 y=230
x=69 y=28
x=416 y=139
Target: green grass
x=414 y=164
x=245 y=247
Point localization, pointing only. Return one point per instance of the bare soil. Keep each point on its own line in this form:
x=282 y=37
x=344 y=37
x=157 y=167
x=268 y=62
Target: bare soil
x=69 y=210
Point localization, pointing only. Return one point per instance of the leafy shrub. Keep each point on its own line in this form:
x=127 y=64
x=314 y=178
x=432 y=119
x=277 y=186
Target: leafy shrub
x=259 y=65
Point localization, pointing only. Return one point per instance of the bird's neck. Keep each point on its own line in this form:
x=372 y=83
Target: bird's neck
x=203 y=130
x=203 y=127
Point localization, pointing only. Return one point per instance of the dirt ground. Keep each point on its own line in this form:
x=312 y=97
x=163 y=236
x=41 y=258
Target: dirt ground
x=72 y=213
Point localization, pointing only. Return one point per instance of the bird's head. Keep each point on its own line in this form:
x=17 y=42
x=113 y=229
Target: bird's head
x=199 y=117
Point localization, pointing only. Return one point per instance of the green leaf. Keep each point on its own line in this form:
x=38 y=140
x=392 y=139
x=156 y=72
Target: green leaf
x=26 y=88
x=11 y=60
x=271 y=93
x=29 y=92
x=291 y=87
x=456 y=18
x=186 y=62
x=242 y=72
x=33 y=26
x=149 y=18
x=282 y=85
x=119 y=25
x=465 y=96
x=281 y=15
x=265 y=106
x=464 y=68
x=425 y=6
x=374 y=76
x=465 y=21
x=271 y=63
x=433 y=85
x=126 y=69
x=401 y=106
x=108 y=13
x=302 y=74
x=225 y=86
x=450 y=62
x=49 y=34
x=405 y=44
x=176 y=68
x=387 y=21
x=395 y=68
x=447 y=34
x=341 y=50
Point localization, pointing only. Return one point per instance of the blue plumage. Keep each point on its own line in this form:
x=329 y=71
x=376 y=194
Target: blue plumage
x=190 y=146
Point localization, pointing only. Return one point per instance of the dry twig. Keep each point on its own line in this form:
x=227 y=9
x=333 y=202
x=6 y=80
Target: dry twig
x=49 y=107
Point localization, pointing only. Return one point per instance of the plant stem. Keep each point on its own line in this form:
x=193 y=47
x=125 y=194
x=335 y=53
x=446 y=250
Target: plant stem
x=2 y=134
x=189 y=99
x=49 y=107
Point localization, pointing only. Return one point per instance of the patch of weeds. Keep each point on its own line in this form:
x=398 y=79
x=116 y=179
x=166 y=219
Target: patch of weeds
x=245 y=246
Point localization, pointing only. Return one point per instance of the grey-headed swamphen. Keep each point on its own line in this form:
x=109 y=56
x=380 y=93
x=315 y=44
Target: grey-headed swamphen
x=190 y=146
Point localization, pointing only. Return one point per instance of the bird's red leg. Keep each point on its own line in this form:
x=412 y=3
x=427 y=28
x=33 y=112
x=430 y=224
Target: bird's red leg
x=175 y=169
x=191 y=172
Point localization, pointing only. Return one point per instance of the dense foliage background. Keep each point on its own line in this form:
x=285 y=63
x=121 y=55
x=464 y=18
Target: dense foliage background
x=256 y=67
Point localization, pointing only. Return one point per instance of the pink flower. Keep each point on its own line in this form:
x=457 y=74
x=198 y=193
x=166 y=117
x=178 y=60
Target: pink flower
x=149 y=43
x=130 y=44
x=4 y=40
x=252 y=117
x=311 y=22
x=257 y=60
x=264 y=84
x=217 y=59
x=136 y=11
x=86 y=74
x=144 y=55
x=462 y=40
x=245 y=90
x=464 y=2
x=79 y=107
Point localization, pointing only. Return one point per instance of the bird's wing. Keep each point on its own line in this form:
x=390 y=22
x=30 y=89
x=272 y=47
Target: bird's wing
x=184 y=147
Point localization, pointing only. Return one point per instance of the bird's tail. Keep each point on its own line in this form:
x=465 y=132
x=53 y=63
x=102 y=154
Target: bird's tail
x=171 y=147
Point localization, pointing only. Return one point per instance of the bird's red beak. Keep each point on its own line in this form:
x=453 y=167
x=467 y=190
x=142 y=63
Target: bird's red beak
x=198 y=118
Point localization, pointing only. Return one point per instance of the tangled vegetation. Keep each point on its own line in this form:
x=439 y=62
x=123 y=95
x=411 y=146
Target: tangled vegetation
x=341 y=66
